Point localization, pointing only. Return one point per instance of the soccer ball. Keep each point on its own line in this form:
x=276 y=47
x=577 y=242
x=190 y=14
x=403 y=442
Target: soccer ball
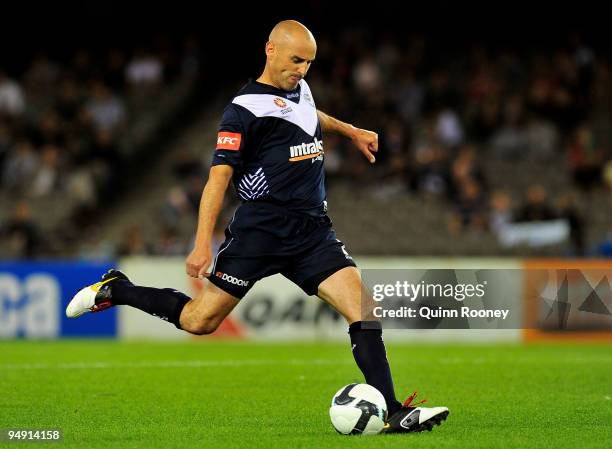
x=358 y=409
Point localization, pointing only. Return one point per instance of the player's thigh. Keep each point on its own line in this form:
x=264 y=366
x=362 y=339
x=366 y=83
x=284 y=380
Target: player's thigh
x=344 y=291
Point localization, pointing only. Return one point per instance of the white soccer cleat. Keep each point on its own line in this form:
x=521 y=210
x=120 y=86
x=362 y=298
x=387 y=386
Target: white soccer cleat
x=95 y=297
x=415 y=419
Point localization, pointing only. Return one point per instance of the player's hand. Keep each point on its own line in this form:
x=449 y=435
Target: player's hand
x=198 y=261
x=366 y=142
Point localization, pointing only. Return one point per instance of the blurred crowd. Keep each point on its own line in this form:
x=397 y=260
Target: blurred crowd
x=63 y=122
x=440 y=118
x=539 y=104
x=441 y=115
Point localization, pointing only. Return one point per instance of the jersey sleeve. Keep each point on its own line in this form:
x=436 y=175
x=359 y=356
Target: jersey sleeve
x=231 y=138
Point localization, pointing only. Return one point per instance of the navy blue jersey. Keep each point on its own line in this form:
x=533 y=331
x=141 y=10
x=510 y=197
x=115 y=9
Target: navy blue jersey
x=272 y=138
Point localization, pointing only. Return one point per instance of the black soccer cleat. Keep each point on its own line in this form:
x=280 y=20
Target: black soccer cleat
x=415 y=419
x=95 y=297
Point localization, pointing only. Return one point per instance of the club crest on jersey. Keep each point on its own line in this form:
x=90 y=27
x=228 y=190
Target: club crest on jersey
x=280 y=102
x=285 y=109
x=312 y=150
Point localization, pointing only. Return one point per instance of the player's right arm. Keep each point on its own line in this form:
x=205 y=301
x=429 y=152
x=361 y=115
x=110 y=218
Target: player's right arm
x=210 y=207
x=228 y=156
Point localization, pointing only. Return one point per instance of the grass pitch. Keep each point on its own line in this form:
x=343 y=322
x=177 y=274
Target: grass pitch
x=106 y=394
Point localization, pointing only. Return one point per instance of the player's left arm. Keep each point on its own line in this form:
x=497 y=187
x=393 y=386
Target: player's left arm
x=365 y=141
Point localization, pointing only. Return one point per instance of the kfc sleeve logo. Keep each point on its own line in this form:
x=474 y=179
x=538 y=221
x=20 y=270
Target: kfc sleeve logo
x=229 y=141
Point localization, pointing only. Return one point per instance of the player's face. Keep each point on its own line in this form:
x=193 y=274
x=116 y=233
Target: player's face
x=291 y=63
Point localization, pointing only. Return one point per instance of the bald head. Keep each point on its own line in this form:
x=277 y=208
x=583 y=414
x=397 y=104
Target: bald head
x=291 y=32
x=290 y=50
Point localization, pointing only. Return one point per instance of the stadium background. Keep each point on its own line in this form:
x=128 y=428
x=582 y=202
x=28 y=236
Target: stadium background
x=496 y=152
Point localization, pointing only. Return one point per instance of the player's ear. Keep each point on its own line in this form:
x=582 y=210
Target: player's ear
x=270 y=48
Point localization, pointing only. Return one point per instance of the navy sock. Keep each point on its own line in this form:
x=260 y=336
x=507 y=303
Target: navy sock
x=164 y=303
x=371 y=357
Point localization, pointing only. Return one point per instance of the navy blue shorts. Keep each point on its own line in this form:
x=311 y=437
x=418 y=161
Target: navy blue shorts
x=264 y=239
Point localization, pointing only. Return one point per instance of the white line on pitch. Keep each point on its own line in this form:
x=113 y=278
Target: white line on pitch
x=169 y=364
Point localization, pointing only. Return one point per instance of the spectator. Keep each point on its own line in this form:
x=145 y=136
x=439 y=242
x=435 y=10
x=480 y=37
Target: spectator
x=69 y=100
x=168 y=243
x=501 y=211
x=394 y=146
x=81 y=187
x=449 y=129
x=536 y=207
x=20 y=234
x=440 y=92
x=510 y=141
x=105 y=109
x=465 y=168
x=12 y=101
x=176 y=207
x=95 y=247
x=40 y=79
x=431 y=171
x=104 y=151
x=133 y=243
x=47 y=178
x=20 y=166
x=49 y=129
x=585 y=158
x=485 y=119
x=145 y=70
x=410 y=97
x=366 y=75
x=469 y=211
x=542 y=139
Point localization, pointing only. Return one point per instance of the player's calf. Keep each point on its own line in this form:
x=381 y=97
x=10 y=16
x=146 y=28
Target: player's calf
x=200 y=326
x=204 y=314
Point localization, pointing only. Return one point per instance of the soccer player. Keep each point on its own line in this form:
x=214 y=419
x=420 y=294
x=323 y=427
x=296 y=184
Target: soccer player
x=270 y=144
